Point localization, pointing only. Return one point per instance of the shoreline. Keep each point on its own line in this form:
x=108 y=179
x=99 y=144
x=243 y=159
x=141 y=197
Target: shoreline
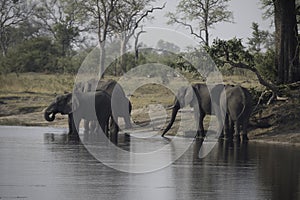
x=21 y=105
x=290 y=138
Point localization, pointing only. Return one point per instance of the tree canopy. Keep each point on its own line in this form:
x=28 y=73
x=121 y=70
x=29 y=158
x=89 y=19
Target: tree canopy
x=56 y=35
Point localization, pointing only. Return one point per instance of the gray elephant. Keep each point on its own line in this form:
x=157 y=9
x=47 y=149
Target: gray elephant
x=121 y=104
x=199 y=96
x=88 y=106
x=236 y=102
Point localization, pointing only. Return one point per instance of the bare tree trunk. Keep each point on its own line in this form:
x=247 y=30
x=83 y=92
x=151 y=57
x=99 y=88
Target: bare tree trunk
x=136 y=45
x=102 y=60
x=122 y=52
x=3 y=42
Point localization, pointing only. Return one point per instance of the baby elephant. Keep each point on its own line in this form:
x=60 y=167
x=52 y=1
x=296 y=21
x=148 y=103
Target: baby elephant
x=88 y=106
x=236 y=102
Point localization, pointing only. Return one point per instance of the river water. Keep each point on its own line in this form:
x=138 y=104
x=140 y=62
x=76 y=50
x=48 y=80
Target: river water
x=41 y=163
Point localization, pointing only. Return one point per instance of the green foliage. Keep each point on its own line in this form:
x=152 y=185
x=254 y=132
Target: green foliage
x=268 y=7
x=64 y=37
x=260 y=39
x=38 y=55
x=35 y=55
x=265 y=63
x=165 y=45
x=233 y=49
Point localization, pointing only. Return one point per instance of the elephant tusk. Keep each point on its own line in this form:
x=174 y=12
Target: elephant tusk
x=170 y=107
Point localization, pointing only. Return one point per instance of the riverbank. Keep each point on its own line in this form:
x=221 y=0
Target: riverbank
x=23 y=99
x=282 y=119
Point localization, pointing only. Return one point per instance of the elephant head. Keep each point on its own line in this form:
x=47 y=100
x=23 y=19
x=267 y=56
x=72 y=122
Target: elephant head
x=63 y=104
x=185 y=96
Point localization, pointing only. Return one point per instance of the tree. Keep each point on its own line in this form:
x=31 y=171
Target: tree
x=161 y=44
x=12 y=13
x=286 y=39
x=259 y=39
x=128 y=16
x=201 y=15
x=61 y=19
x=101 y=12
x=264 y=60
x=33 y=55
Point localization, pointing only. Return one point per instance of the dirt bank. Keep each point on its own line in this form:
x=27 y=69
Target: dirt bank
x=277 y=123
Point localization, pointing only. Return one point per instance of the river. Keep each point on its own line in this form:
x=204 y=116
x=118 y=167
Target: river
x=41 y=163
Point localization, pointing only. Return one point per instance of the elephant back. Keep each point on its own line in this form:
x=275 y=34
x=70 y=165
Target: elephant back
x=107 y=86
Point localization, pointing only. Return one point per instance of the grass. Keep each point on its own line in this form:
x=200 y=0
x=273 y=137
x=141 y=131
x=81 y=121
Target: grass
x=36 y=83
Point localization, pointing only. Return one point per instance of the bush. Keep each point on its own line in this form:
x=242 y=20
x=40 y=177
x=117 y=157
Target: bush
x=33 y=55
x=265 y=63
x=39 y=55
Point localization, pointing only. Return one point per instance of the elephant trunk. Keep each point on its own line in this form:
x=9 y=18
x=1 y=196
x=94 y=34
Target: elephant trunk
x=49 y=113
x=175 y=109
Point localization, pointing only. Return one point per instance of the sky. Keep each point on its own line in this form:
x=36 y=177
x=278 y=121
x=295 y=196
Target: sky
x=244 y=12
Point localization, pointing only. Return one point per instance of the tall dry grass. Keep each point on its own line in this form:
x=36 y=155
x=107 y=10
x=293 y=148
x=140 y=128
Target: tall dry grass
x=36 y=83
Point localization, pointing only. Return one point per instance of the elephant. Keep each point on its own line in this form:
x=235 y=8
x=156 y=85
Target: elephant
x=121 y=105
x=236 y=103
x=88 y=106
x=199 y=96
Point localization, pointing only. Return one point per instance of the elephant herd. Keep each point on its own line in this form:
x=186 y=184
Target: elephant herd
x=231 y=104
x=103 y=102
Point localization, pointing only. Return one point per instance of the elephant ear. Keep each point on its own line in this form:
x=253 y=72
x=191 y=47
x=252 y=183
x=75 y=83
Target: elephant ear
x=189 y=94
x=74 y=102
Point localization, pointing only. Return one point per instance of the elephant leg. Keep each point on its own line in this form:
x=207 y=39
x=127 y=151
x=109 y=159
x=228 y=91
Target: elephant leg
x=244 y=135
x=237 y=130
x=200 y=130
x=72 y=125
x=75 y=134
x=86 y=125
x=231 y=129
x=128 y=124
x=114 y=129
x=97 y=127
x=221 y=123
x=227 y=128
x=93 y=126
x=103 y=126
x=222 y=135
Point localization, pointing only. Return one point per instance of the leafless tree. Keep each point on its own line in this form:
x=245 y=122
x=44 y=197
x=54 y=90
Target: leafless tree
x=201 y=15
x=128 y=17
x=12 y=13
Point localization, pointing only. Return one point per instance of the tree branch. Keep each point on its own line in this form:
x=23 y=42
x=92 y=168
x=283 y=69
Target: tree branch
x=190 y=27
x=146 y=14
x=261 y=80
